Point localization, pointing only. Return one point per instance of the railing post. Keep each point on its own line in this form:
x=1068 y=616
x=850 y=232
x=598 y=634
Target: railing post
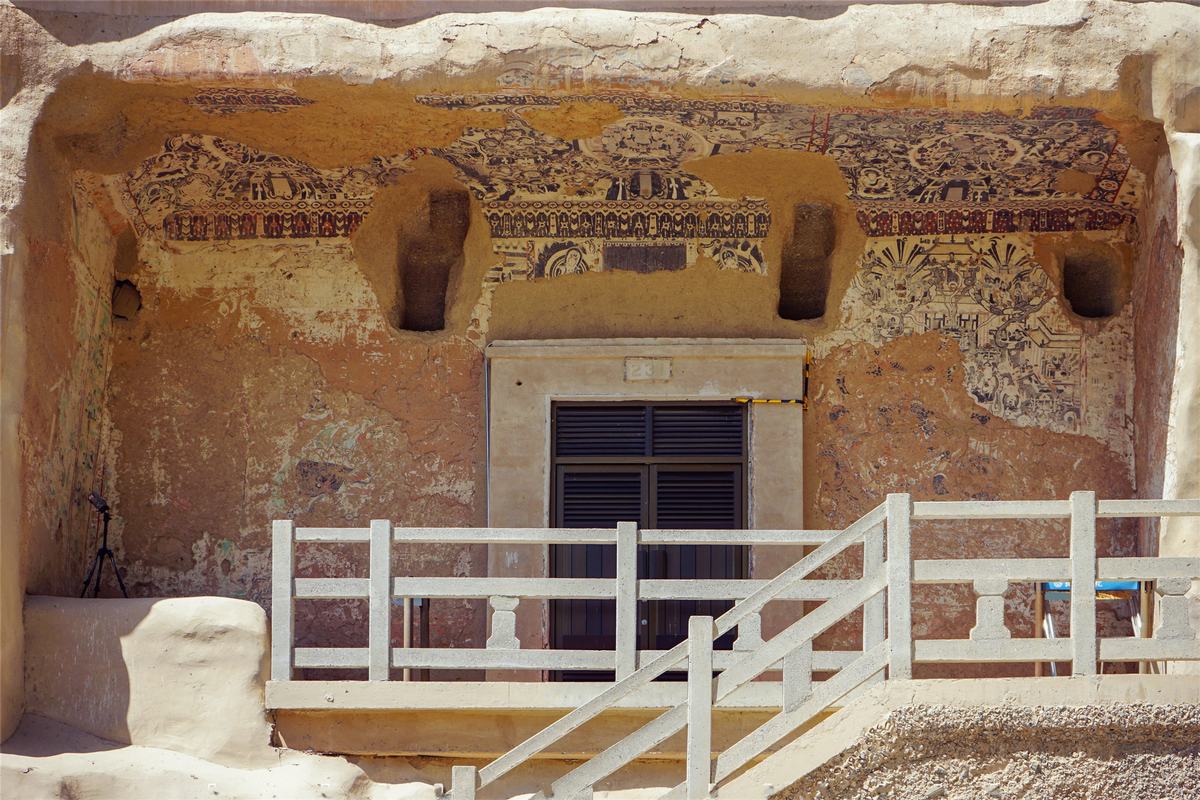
x=380 y=601
x=899 y=591
x=627 y=598
x=1083 y=583
x=749 y=634
x=797 y=676
x=699 y=711
x=406 y=636
x=283 y=604
x=874 y=610
x=463 y=781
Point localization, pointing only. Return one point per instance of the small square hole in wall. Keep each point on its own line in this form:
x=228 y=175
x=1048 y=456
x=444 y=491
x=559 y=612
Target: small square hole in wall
x=1092 y=285
x=126 y=300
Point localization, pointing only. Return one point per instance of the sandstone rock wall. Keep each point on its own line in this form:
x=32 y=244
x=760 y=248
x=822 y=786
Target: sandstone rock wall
x=259 y=185
x=1156 y=336
x=1182 y=461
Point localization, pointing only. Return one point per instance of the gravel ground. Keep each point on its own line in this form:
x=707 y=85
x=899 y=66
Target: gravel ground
x=1147 y=752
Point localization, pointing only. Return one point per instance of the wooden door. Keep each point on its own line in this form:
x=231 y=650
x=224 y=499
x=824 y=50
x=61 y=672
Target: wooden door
x=662 y=466
x=701 y=497
x=595 y=496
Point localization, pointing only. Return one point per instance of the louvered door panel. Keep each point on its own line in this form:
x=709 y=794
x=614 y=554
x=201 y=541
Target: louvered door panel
x=703 y=431
x=599 y=431
x=591 y=497
x=669 y=465
x=699 y=497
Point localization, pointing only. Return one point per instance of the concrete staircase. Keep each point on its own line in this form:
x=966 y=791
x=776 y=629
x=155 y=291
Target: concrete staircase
x=858 y=690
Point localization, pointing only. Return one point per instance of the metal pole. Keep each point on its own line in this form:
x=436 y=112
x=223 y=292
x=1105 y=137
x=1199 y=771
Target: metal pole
x=407 y=635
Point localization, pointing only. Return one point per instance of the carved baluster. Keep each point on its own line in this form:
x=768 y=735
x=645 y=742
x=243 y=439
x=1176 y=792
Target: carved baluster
x=1173 y=604
x=989 y=610
x=504 y=624
x=749 y=634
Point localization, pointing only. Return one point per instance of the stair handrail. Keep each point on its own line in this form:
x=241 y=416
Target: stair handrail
x=749 y=666
x=752 y=604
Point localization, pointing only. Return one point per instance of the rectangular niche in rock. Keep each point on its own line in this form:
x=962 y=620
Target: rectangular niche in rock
x=805 y=269
x=429 y=258
x=1092 y=284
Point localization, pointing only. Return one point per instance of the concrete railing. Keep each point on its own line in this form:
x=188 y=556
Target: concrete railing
x=990 y=640
x=503 y=649
x=883 y=592
x=792 y=647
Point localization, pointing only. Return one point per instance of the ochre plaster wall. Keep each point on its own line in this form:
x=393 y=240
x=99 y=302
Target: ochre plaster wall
x=261 y=378
x=261 y=382
x=57 y=340
x=69 y=327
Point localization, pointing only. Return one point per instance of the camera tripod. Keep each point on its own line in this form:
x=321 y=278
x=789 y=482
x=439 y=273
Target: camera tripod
x=103 y=553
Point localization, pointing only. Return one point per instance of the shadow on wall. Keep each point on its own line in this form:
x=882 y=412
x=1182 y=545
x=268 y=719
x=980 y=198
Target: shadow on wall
x=183 y=674
x=38 y=738
x=75 y=670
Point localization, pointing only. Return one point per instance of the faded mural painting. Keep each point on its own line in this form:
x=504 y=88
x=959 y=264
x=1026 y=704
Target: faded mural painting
x=204 y=188
x=1025 y=360
x=948 y=200
x=256 y=291
x=235 y=100
x=632 y=204
x=909 y=172
x=986 y=173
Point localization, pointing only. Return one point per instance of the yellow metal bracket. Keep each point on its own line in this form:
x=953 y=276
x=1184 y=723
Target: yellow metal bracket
x=801 y=401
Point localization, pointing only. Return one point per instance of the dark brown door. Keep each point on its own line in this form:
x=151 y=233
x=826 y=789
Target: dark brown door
x=692 y=496
x=662 y=466
x=597 y=496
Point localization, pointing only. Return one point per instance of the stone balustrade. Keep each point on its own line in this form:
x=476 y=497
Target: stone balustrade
x=883 y=593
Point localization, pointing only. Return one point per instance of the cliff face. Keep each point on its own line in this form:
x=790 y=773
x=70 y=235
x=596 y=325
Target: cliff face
x=251 y=261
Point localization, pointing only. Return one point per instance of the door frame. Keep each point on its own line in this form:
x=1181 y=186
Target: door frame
x=524 y=378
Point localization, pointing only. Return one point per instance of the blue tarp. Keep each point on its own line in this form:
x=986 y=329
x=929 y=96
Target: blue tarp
x=1101 y=586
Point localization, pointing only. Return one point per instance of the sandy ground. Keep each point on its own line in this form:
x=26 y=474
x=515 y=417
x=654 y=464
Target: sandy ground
x=45 y=760
x=1126 y=752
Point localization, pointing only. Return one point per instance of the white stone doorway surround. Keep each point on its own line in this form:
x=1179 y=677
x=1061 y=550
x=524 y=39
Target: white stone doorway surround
x=526 y=377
